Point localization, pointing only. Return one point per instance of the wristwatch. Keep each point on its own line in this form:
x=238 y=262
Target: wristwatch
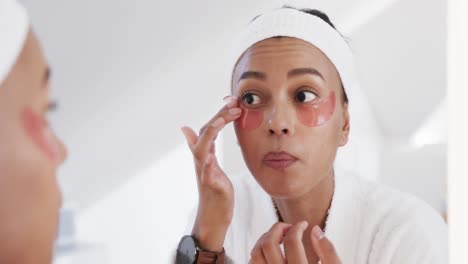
x=189 y=252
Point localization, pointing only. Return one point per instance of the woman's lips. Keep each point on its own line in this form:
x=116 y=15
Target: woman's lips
x=279 y=160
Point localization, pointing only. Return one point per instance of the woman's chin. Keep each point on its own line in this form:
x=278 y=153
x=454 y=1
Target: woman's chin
x=282 y=186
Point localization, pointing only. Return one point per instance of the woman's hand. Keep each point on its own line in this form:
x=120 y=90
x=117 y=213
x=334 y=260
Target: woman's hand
x=216 y=194
x=267 y=249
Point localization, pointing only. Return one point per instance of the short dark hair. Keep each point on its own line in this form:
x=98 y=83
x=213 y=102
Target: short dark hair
x=324 y=17
x=315 y=12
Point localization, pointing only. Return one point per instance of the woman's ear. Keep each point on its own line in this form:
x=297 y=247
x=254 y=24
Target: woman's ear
x=344 y=133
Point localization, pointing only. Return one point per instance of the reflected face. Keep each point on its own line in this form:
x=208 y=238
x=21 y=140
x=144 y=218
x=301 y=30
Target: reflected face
x=293 y=119
x=30 y=198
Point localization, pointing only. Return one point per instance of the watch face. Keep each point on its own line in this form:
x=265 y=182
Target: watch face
x=186 y=252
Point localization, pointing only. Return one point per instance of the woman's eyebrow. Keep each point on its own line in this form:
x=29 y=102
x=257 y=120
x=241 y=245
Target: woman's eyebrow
x=292 y=73
x=252 y=74
x=302 y=71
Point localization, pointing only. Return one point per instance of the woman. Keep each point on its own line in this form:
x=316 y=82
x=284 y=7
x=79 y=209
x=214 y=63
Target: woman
x=290 y=86
x=30 y=152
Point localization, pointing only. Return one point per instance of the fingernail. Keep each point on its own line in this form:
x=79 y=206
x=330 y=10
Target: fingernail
x=218 y=122
x=304 y=224
x=230 y=101
x=229 y=98
x=235 y=111
x=318 y=233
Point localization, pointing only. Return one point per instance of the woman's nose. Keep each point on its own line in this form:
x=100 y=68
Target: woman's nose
x=63 y=152
x=281 y=121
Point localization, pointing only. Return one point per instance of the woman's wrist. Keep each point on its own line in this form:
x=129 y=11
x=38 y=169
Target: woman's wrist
x=210 y=238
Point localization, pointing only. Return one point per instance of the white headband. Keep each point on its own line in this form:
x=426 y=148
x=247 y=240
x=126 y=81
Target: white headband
x=289 y=22
x=14 y=26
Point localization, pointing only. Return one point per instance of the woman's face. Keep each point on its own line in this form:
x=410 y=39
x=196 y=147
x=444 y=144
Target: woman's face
x=30 y=153
x=294 y=118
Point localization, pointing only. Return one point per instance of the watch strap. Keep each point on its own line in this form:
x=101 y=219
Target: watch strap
x=210 y=257
x=205 y=256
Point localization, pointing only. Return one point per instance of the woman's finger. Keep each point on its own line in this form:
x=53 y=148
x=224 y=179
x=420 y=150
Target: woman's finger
x=257 y=257
x=213 y=148
x=267 y=247
x=209 y=132
x=323 y=247
x=207 y=175
x=190 y=136
x=203 y=145
x=293 y=246
x=231 y=102
x=271 y=241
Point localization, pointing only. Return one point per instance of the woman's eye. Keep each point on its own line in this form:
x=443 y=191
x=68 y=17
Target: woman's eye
x=305 y=96
x=251 y=99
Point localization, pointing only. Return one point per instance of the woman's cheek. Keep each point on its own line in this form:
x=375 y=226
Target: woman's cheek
x=314 y=115
x=41 y=134
x=248 y=142
x=250 y=119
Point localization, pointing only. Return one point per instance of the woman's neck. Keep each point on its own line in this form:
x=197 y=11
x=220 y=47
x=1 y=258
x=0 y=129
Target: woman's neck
x=312 y=206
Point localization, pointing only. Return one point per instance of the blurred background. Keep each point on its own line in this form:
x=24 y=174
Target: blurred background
x=128 y=74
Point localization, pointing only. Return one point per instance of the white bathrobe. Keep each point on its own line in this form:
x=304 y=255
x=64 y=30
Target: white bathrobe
x=367 y=223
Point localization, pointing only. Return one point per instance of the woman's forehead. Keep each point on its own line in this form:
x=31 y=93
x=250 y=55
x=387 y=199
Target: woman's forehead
x=283 y=54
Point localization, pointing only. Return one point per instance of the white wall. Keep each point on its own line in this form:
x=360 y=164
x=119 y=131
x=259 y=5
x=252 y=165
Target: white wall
x=421 y=171
x=143 y=220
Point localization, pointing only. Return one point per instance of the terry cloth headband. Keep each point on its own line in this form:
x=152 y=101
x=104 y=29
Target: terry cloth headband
x=289 y=22
x=14 y=27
